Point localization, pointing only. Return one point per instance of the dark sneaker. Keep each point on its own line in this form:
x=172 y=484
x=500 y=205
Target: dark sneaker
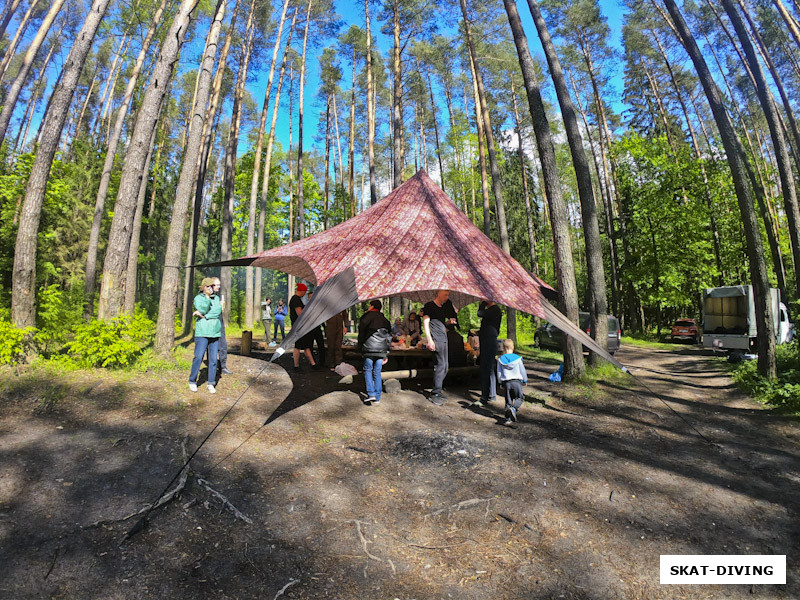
x=226 y=371
x=436 y=399
x=316 y=367
x=508 y=422
x=376 y=401
x=511 y=415
x=296 y=367
x=483 y=402
x=370 y=399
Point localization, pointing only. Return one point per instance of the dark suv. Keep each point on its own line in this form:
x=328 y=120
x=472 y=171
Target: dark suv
x=551 y=337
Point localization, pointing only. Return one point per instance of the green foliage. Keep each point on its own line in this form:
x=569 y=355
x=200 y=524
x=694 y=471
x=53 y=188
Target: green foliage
x=783 y=392
x=16 y=343
x=114 y=344
x=59 y=310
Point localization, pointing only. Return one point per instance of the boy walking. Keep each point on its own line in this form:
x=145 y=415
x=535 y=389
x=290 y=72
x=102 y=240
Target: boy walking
x=511 y=373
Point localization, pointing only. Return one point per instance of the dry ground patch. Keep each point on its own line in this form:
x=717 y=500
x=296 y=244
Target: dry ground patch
x=402 y=500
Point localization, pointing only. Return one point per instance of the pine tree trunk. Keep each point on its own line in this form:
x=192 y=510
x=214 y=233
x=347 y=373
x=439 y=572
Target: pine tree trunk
x=203 y=164
x=268 y=162
x=7 y=16
x=598 y=307
x=500 y=210
x=373 y=183
x=226 y=243
x=119 y=239
x=788 y=188
x=562 y=248
x=20 y=33
x=736 y=160
x=791 y=24
x=23 y=282
x=108 y=166
x=251 y=308
x=487 y=216
x=301 y=221
x=129 y=303
x=165 y=327
x=397 y=100
x=326 y=187
x=10 y=100
x=525 y=187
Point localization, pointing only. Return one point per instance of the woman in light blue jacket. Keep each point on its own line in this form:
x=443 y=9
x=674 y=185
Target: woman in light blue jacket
x=208 y=328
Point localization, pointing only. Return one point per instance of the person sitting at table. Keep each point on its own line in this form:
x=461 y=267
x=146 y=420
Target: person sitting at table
x=397 y=329
x=412 y=327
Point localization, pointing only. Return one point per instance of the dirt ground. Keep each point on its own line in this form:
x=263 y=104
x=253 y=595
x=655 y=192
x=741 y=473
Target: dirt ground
x=402 y=500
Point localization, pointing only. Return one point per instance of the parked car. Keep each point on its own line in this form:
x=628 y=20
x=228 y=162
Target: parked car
x=551 y=337
x=686 y=329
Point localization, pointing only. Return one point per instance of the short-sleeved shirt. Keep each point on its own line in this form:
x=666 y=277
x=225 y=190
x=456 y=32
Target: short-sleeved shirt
x=439 y=316
x=439 y=313
x=295 y=303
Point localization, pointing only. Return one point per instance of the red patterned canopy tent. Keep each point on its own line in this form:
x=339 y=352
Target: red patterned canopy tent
x=413 y=242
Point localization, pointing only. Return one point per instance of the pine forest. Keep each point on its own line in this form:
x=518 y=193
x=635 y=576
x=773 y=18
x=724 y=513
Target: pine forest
x=628 y=152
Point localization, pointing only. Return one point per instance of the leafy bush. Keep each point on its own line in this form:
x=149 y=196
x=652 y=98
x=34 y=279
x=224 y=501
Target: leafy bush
x=16 y=343
x=783 y=392
x=59 y=310
x=114 y=344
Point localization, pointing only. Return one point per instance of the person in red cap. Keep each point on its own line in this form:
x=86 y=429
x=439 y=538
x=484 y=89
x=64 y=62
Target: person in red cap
x=304 y=343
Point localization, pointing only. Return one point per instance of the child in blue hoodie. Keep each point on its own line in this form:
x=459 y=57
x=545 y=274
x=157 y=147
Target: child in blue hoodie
x=511 y=372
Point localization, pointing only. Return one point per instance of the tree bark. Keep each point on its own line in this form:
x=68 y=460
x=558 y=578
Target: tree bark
x=23 y=282
x=119 y=239
x=565 y=269
x=598 y=307
x=226 y=243
x=251 y=308
x=487 y=217
x=791 y=24
x=788 y=187
x=301 y=221
x=525 y=187
x=108 y=166
x=373 y=183
x=203 y=164
x=737 y=159
x=268 y=161
x=165 y=326
x=497 y=186
x=14 y=90
x=12 y=47
x=397 y=99
x=7 y=16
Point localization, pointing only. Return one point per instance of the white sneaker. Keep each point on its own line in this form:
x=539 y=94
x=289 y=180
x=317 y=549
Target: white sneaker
x=193 y=387
x=211 y=389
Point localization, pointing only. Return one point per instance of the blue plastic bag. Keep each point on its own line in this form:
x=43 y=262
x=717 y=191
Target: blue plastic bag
x=557 y=375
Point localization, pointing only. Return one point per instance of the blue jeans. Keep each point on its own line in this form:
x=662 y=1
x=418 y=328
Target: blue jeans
x=201 y=344
x=372 y=375
x=275 y=324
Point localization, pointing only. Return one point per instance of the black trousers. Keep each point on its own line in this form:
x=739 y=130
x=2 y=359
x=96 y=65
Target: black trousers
x=488 y=367
x=514 y=394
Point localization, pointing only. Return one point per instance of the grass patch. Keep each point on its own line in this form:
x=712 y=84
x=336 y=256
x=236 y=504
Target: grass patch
x=529 y=352
x=648 y=342
x=782 y=393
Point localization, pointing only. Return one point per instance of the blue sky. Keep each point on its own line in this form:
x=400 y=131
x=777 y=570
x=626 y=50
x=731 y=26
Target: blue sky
x=351 y=13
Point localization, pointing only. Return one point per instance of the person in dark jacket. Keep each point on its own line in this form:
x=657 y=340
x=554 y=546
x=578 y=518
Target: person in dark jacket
x=491 y=318
x=374 y=341
x=302 y=344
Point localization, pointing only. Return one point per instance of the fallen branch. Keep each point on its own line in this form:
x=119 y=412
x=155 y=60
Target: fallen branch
x=225 y=502
x=286 y=587
x=364 y=541
x=168 y=497
x=460 y=505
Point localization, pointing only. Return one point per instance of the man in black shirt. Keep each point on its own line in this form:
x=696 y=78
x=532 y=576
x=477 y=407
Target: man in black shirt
x=304 y=343
x=437 y=314
x=491 y=319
